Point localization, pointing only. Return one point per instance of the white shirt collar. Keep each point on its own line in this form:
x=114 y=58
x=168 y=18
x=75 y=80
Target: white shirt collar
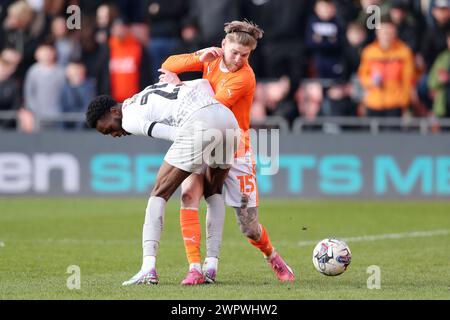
x=223 y=67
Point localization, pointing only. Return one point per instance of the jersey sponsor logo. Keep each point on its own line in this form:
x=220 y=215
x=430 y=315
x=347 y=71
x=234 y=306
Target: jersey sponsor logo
x=192 y=239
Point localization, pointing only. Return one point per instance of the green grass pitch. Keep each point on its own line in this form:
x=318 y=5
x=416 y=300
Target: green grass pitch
x=41 y=238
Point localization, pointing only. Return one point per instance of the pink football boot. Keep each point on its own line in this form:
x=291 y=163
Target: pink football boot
x=283 y=272
x=194 y=277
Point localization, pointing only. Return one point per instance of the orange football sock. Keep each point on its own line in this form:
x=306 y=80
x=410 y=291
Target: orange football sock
x=190 y=230
x=263 y=244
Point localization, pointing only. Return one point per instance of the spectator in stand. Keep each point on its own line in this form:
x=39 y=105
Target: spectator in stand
x=272 y=99
x=54 y=8
x=13 y=57
x=366 y=17
x=422 y=11
x=190 y=42
x=387 y=73
x=43 y=85
x=126 y=71
x=105 y=15
x=18 y=33
x=439 y=83
x=344 y=98
x=434 y=39
x=67 y=48
x=4 y=4
x=433 y=43
x=325 y=38
x=309 y=98
x=88 y=7
x=209 y=16
x=356 y=40
x=10 y=96
x=165 y=20
x=93 y=55
x=134 y=11
x=338 y=101
x=77 y=92
x=347 y=10
x=406 y=25
x=190 y=37
x=281 y=52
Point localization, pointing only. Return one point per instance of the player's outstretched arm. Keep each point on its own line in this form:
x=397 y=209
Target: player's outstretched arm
x=192 y=61
x=183 y=63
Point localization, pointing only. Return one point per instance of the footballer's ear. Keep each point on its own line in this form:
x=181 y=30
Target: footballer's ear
x=224 y=41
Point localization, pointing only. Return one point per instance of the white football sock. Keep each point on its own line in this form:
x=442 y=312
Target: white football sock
x=215 y=217
x=148 y=263
x=153 y=225
x=211 y=263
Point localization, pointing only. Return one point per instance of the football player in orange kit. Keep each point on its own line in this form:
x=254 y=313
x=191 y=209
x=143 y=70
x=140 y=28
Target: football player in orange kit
x=233 y=81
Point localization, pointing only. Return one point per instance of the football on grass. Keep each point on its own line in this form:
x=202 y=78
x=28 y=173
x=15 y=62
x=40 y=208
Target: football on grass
x=331 y=257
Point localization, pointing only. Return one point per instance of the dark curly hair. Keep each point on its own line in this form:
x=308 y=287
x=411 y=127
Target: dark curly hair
x=97 y=108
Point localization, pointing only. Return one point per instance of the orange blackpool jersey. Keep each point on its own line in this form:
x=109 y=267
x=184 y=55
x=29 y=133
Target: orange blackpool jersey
x=233 y=89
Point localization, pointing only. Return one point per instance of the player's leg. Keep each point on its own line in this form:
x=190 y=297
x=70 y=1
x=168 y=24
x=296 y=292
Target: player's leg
x=220 y=162
x=168 y=180
x=215 y=218
x=216 y=131
x=241 y=193
x=257 y=235
x=191 y=193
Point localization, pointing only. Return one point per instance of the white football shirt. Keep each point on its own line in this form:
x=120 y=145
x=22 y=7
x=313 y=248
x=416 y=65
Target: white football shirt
x=165 y=103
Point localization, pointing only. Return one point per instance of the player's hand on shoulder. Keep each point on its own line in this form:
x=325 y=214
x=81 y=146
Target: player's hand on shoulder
x=210 y=54
x=168 y=77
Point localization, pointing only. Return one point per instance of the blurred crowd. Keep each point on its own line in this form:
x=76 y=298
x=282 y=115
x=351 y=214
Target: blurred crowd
x=358 y=58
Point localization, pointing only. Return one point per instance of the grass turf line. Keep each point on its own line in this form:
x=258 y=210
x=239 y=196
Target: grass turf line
x=41 y=238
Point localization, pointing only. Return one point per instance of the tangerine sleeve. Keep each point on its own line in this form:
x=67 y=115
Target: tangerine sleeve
x=183 y=63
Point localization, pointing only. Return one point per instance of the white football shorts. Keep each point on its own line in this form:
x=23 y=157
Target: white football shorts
x=208 y=137
x=240 y=187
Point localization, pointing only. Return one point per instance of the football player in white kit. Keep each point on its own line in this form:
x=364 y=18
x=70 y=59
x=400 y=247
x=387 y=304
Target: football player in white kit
x=206 y=134
x=234 y=83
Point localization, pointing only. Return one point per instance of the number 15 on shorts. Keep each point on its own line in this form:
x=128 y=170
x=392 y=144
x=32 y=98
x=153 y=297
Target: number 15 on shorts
x=247 y=183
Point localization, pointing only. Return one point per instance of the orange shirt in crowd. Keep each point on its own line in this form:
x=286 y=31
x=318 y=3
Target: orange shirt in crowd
x=124 y=63
x=395 y=70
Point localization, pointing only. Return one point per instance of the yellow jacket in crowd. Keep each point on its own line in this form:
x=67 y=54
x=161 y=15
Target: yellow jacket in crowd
x=387 y=76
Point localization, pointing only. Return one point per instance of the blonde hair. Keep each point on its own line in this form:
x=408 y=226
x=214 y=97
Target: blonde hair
x=245 y=33
x=22 y=10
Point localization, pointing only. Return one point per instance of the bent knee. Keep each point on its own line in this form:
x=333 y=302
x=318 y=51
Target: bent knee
x=190 y=199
